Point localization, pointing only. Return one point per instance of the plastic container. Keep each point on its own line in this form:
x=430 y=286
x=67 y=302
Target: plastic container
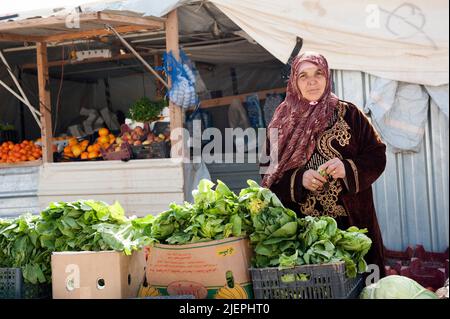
x=153 y=150
x=325 y=281
x=12 y=286
x=111 y=154
x=430 y=269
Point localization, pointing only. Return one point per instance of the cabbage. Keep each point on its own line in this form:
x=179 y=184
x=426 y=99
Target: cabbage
x=396 y=287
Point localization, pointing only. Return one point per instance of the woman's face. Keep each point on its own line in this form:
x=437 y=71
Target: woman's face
x=311 y=82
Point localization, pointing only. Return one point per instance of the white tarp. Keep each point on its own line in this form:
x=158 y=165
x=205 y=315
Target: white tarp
x=387 y=38
x=392 y=39
x=400 y=110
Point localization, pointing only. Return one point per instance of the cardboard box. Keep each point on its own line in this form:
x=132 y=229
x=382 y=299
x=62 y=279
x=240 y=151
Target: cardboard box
x=213 y=269
x=97 y=275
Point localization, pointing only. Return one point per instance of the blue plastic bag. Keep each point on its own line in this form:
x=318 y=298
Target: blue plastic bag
x=182 y=92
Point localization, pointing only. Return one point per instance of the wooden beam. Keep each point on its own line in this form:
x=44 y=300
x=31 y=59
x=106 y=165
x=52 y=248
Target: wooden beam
x=58 y=30
x=44 y=102
x=228 y=99
x=150 y=22
x=20 y=38
x=93 y=33
x=56 y=63
x=176 y=112
x=36 y=23
x=157 y=61
x=22 y=164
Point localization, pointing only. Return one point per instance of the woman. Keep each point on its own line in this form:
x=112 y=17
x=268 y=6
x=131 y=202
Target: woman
x=327 y=153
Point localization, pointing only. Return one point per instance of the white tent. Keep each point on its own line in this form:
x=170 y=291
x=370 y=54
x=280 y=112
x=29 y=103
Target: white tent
x=390 y=39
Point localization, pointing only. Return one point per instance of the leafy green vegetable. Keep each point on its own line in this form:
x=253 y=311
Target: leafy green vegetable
x=396 y=287
x=28 y=241
x=274 y=227
x=279 y=238
x=145 y=110
x=215 y=214
x=20 y=247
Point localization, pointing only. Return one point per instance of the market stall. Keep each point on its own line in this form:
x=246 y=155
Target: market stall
x=137 y=183
x=233 y=66
x=202 y=247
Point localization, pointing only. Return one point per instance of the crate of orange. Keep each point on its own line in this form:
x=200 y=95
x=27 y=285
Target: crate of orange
x=25 y=151
x=83 y=150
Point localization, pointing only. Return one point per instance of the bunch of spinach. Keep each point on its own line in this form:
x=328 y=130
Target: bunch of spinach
x=281 y=239
x=88 y=225
x=215 y=214
x=20 y=247
x=274 y=235
x=322 y=241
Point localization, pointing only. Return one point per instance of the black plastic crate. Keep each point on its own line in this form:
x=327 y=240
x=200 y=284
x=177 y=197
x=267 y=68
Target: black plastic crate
x=324 y=281
x=153 y=150
x=12 y=286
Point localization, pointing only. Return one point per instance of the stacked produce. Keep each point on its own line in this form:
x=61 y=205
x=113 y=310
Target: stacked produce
x=21 y=152
x=281 y=239
x=20 y=247
x=215 y=214
x=83 y=150
x=28 y=241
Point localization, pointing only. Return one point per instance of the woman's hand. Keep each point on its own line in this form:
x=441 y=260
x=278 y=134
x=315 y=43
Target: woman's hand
x=334 y=167
x=312 y=180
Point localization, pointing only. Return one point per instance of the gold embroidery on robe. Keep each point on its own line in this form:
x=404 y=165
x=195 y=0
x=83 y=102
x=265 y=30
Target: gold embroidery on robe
x=328 y=197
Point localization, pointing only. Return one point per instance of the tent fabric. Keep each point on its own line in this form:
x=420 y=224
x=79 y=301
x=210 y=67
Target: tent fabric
x=395 y=40
x=392 y=39
x=399 y=112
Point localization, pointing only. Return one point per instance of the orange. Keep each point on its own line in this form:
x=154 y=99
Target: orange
x=76 y=150
x=112 y=138
x=73 y=141
x=84 y=155
x=67 y=149
x=90 y=148
x=97 y=147
x=103 y=132
x=93 y=154
x=103 y=140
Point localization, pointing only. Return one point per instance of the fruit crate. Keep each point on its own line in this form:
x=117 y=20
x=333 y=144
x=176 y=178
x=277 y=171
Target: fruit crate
x=153 y=150
x=12 y=286
x=124 y=154
x=324 y=281
x=430 y=269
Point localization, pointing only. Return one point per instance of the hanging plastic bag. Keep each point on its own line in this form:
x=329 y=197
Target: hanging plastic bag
x=182 y=92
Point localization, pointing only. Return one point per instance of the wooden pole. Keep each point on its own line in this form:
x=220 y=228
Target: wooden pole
x=176 y=112
x=159 y=88
x=44 y=102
